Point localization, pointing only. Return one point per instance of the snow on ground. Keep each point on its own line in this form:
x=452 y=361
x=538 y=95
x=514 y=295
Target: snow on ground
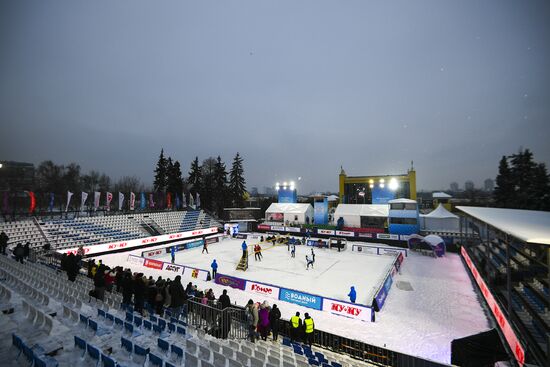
x=441 y=306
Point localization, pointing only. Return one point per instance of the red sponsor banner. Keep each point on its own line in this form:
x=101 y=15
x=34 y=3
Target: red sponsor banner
x=345 y=233
x=350 y=310
x=509 y=334
x=153 y=253
x=263 y=289
x=264 y=227
x=153 y=264
x=325 y=231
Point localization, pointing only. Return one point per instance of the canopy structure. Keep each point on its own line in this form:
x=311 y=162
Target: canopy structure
x=440 y=220
x=529 y=226
x=441 y=195
x=289 y=213
x=430 y=242
x=352 y=213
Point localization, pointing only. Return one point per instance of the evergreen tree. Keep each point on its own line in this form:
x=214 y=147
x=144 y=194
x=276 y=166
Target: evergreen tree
x=159 y=185
x=221 y=196
x=541 y=187
x=174 y=179
x=504 y=189
x=237 y=188
x=194 y=181
x=208 y=183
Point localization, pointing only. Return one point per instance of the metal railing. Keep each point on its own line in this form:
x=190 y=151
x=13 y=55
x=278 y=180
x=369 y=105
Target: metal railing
x=227 y=323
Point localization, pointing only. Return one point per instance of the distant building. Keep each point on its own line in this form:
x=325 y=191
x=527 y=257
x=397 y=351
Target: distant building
x=16 y=176
x=469 y=185
x=254 y=191
x=270 y=191
x=454 y=187
x=489 y=185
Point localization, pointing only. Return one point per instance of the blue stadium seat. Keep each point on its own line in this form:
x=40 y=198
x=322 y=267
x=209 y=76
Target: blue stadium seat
x=107 y=361
x=155 y=360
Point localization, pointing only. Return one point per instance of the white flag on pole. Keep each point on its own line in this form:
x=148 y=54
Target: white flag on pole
x=120 y=200
x=69 y=196
x=83 y=200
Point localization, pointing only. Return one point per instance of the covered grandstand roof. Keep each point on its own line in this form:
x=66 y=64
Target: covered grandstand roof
x=402 y=200
x=364 y=210
x=441 y=195
x=289 y=208
x=527 y=225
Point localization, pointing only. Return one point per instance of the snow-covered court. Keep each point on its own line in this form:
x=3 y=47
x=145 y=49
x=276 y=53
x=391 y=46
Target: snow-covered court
x=431 y=302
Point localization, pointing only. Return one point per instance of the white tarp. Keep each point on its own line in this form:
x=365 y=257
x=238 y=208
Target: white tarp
x=352 y=213
x=440 y=220
x=292 y=212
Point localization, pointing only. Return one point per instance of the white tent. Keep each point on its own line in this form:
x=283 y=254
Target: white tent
x=352 y=213
x=289 y=213
x=440 y=220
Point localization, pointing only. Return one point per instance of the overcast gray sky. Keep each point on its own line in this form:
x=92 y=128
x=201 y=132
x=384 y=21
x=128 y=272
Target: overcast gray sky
x=297 y=87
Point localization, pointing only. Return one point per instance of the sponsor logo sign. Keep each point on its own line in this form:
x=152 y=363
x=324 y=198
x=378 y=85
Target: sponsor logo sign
x=135 y=260
x=153 y=264
x=173 y=268
x=365 y=235
x=345 y=233
x=383 y=292
x=153 y=253
x=387 y=236
x=302 y=299
x=264 y=227
x=292 y=229
x=193 y=244
x=350 y=310
x=95 y=249
x=509 y=334
x=329 y=232
x=317 y=243
x=241 y=236
x=404 y=237
x=263 y=289
x=278 y=228
x=230 y=281
x=212 y=240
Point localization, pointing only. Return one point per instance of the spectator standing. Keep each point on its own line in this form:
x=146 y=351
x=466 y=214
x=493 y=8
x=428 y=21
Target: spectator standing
x=263 y=316
x=224 y=300
x=26 y=250
x=139 y=292
x=296 y=327
x=309 y=328
x=177 y=295
x=274 y=318
x=3 y=242
x=99 y=284
x=19 y=252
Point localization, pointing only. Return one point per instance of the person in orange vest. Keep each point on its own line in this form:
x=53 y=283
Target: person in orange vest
x=309 y=328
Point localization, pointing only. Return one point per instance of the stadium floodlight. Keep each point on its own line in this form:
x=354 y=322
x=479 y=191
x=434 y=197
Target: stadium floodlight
x=394 y=185
x=382 y=185
x=382 y=180
x=371 y=186
x=292 y=185
x=1 y=165
x=371 y=181
x=277 y=186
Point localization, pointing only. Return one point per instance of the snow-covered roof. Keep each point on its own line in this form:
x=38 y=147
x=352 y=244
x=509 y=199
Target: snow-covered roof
x=527 y=225
x=402 y=200
x=333 y=198
x=433 y=239
x=290 y=208
x=440 y=212
x=364 y=210
x=441 y=195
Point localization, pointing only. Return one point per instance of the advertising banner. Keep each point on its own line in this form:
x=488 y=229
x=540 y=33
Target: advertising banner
x=365 y=235
x=95 y=249
x=320 y=211
x=350 y=310
x=365 y=249
x=153 y=264
x=212 y=240
x=317 y=243
x=286 y=195
x=292 y=229
x=387 y=236
x=193 y=244
x=328 y=232
x=228 y=281
x=135 y=260
x=198 y=273
x=263 y=289
x=381 y=195
x=503 y=323
x=153 y=253
x=302 y=299
x=404 y=237
x=345 y=233
x=278 y=228
x=178 y=269
x=264 y=227
x=242 y=236
x=383 y=293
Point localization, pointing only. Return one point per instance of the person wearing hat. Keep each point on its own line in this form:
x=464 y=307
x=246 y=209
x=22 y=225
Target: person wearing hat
x=296 y=326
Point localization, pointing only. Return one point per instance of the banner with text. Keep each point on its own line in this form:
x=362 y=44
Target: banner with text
x=350 y=310
x=228 y=281
x=262 y=289
x=302 y=299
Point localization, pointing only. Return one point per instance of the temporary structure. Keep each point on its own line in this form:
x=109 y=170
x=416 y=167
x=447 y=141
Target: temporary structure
x=440 y=220
x=289 y=213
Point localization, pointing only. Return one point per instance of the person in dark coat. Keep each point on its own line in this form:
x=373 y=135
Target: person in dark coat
x=224 y=300
x=71 y=267
x=177 y=295
x=99 y=283
x=18 y=252
x=27 y=250
x=274 y=318
x=214 y=267
x=139 y=293
x=352 y=294
x=127 y=288
x=3 y=242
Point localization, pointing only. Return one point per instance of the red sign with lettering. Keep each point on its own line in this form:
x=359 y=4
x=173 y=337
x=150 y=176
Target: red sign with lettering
x=153 y=264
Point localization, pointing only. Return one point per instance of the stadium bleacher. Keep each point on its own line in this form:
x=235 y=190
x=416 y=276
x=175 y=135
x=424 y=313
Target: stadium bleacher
x=53 y=322
x=88 y=231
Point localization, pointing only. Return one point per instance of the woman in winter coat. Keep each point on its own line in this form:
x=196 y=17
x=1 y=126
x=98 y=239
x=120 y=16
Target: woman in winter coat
x=274 y=317
x=263 y=315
